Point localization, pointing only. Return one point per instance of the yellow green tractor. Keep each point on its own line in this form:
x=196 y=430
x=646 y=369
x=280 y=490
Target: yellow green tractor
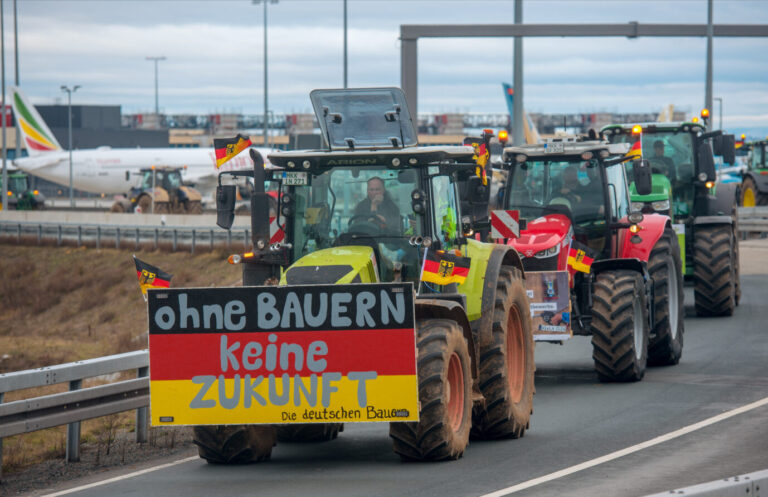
x=754 y=185
x=379 y=219
x=161 y=192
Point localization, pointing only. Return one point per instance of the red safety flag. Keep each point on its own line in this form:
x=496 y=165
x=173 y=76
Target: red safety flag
x=443 y=268
x=227 y=148
x=150 y=276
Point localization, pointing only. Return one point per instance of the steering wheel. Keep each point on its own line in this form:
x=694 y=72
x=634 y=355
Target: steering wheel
x=368 y=219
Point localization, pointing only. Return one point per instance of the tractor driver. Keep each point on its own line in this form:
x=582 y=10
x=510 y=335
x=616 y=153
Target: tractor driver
x=379 y=208
x=659 y=159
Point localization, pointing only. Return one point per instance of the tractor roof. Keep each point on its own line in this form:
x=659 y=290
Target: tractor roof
x=400 y=157
x=653 y=126
x=564 y=148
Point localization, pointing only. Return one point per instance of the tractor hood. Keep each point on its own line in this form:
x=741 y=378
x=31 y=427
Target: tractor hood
x=661 y=190
x=352 y=264
x=542 y=234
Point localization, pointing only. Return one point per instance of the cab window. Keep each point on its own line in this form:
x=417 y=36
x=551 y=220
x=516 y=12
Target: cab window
x=446 y=218
x=618 y=192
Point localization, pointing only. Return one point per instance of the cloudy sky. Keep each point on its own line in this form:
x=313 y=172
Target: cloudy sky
x=215 y=59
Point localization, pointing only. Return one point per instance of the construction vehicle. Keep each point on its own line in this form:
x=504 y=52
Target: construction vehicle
x=754 y=185
x=371 y=211
x=624 y=268
x=161 y=191
x=703 y=211
x=20 y=196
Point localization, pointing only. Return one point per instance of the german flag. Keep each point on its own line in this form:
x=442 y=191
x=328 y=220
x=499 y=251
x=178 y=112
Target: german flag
x=580 y=257
x=150 y=276
x=482 y=156
x=443 y=268
x=226 y=148
x=636 y=152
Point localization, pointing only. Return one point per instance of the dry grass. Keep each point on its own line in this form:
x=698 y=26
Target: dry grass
x=62 y=304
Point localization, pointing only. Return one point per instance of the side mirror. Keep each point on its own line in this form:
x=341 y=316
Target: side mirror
x=225 y=205
x=706 y=163
x=475 y=192
x=641 y=170
x=728 y=149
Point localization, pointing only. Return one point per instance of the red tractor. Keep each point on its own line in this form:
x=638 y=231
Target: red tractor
x=624 y=268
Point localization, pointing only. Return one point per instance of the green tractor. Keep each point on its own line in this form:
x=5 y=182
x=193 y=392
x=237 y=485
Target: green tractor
x=20 y=196
x=754 y=185
x=703 y=211
x=371 y=210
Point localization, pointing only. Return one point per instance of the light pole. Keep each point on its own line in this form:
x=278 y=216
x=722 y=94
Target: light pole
x=157 y=103
x=70 y=91
x=345 y=43
x=720 y=101
x=266 y=105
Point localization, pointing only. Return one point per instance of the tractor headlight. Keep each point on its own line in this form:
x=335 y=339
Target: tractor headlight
x=661 y=205
x=638 y=206
x=548 y=252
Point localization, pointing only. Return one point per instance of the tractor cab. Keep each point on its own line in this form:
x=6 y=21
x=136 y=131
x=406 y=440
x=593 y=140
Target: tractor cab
x=20 y=195
x=566 y=190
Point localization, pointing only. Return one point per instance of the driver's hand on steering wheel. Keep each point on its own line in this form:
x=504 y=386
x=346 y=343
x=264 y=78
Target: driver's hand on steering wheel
x=567 y=191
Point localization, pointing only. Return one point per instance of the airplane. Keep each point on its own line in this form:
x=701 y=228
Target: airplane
x=530 y=132
x=110 y=170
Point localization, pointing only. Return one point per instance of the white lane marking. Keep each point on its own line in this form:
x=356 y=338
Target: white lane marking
x=629 y=450
x=123 y=477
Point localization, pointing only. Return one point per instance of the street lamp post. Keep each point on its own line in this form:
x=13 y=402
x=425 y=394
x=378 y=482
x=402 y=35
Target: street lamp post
x=720 y=101
x=266 y=105
x=157 y=102
x=70 y=91
x=345 y=43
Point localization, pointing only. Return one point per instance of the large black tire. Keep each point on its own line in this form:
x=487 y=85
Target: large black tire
x=445 y=396
x=145 y=204
x=620 y=326
x=309 y=432
x=234 y=444
x=665 y=344
x=715 y=270
x=506 y=363
x=194 y=207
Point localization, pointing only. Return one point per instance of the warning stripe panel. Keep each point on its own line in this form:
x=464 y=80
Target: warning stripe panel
x=505 y=224
x=180 y=356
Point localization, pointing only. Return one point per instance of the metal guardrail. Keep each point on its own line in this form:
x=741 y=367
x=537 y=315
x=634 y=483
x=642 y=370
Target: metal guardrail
x=177 y=237
x=753 y=219
x=738 y=486
x=79 y=404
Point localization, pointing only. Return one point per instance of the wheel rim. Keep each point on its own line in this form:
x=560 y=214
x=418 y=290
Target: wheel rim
x=455 y=392
x=672 y=297
x=749 y=198
x=638 y=322
x=515 y=355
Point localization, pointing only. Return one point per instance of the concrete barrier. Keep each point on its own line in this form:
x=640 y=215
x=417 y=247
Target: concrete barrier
x=113 y=218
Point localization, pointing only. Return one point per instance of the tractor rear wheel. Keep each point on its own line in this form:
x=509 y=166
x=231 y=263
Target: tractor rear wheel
x=194 y=207
x=309 y=432
x=162 y=208
x=748 y=193
x=715 y=270
x=145 y=204
x=506 y=363
x=234 y=444
x=619 y=326
x=445 y=396
x=117 y=207
x=665 y=345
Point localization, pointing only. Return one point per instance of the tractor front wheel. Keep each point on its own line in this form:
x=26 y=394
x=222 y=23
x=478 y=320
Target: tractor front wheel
x=234 y=444
x=748 y=193
x=506 y=363
x=445 y=396
x=665 y=346
x=715 y=270
x=194 y=207
x=620 y=326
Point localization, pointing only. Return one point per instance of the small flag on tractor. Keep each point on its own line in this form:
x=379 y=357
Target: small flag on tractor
x=505 y=224
x=580 y=257
x=482 y=154
x=226 y=148
x=442 y=268
x=636 y=152
x=150 y=276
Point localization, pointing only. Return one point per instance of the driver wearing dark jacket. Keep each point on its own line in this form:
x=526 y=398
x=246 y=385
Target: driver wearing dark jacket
x=379 y=207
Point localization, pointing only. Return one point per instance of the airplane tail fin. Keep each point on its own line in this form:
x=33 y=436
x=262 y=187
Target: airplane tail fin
x=37 y=136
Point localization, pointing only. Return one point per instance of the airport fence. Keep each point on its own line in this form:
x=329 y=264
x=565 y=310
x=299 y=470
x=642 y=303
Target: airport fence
x=78 y=404
x=753 y=220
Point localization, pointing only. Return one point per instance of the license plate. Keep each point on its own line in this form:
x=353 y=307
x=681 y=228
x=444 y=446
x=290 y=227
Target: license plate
x=294 y=178
x=554 y=148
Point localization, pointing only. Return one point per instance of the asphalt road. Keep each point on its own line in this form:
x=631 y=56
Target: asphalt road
x=576 y=419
